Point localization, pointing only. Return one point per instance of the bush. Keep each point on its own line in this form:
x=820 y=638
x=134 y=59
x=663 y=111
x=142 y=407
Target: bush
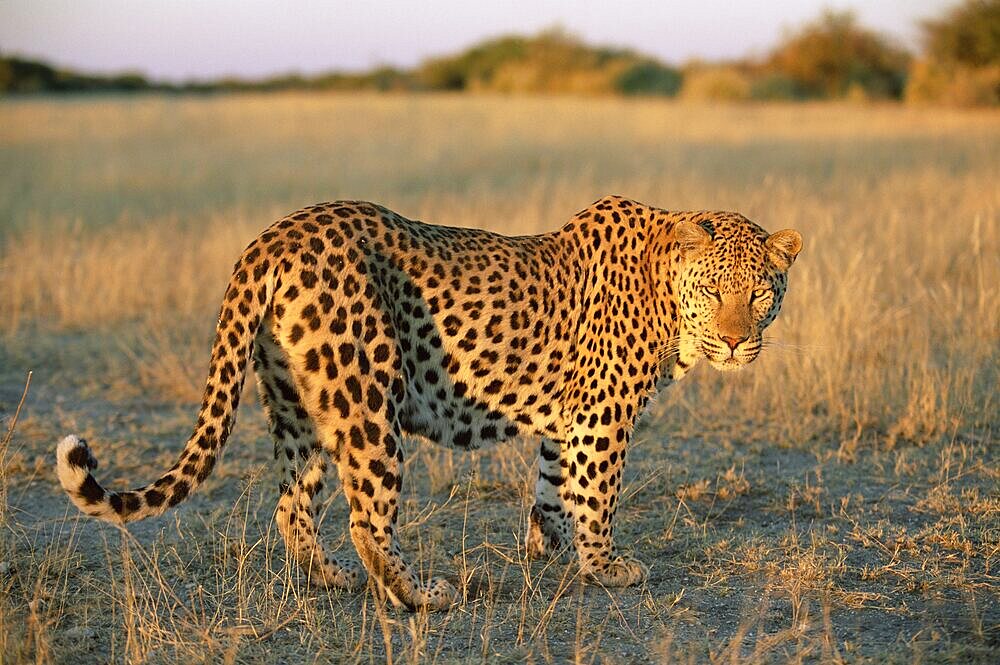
x=962 y=64
x=771 y=87
x=834 y=55
x=551 y=62
x=969 y=35
x=715 y=84
x=649 y=78
x=477 y=64
x=933 y=83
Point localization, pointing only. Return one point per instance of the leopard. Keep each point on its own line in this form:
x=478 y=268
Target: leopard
x=365 y=328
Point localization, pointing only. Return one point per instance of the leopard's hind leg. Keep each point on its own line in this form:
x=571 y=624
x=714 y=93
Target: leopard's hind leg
x=550 y=523
x=302 y=464
x=353 y=400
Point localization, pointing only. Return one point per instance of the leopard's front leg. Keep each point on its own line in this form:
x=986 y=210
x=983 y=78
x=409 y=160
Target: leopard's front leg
x=614 y=371
x=596 y=457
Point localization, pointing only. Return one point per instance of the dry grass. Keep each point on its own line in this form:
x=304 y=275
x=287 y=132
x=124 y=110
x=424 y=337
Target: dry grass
x=835 y=502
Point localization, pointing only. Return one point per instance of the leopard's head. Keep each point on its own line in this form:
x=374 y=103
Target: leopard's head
x=732 y=279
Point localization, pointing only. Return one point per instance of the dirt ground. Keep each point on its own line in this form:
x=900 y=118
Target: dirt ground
x=841 y=551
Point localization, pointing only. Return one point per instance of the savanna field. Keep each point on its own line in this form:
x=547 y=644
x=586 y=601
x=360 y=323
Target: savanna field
x=837 y=501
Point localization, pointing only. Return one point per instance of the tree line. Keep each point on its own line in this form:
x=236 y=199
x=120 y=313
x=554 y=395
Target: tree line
x=833 y=57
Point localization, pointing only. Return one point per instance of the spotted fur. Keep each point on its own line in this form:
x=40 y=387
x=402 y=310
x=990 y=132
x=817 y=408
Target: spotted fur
x=364 y=327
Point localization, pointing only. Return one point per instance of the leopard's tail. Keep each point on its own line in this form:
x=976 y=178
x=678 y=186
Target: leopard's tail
x=247 y=301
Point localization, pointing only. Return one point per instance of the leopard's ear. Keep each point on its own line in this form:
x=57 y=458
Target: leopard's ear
x=691 y=237
x=783 y=246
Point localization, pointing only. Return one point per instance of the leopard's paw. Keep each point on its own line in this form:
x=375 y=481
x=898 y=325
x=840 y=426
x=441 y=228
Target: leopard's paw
x=619 y=572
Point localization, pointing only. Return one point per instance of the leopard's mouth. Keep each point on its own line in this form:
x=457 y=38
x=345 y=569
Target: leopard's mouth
x=723 y=359
x=728 y=365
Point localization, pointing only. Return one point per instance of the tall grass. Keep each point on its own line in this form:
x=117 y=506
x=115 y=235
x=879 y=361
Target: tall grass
x=126 y=215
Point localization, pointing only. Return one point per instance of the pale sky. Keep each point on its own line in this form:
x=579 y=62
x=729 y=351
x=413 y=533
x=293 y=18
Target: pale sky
x=180 y=39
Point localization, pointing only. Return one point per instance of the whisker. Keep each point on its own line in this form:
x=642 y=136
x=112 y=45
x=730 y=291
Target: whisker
x=797 y=349
x=769 y=342
x=664 y=349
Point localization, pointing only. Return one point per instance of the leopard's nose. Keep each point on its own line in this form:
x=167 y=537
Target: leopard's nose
x=733 y=342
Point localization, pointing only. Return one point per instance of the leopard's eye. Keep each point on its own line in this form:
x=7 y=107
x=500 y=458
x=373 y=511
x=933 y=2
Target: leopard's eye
x=758 y=293
x=710 y=291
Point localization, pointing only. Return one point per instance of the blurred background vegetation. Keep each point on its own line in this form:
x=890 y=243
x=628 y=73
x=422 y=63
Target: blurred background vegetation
x=833 y=57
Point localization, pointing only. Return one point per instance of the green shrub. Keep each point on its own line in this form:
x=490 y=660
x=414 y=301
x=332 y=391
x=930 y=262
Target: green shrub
x=649 y=78
x=775 y=87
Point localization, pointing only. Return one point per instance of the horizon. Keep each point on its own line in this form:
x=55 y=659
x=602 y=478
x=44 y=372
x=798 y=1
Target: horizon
x=226 y=38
